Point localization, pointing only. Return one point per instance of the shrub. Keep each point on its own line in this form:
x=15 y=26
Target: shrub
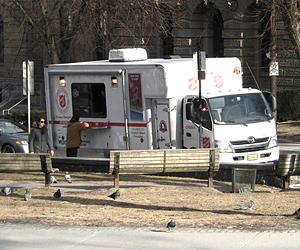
x=288 y=104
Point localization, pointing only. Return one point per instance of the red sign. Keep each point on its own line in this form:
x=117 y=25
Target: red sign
x=192 y=83
x=218 y=81
x=206 y=142
x=62 y=101
x=163 y=126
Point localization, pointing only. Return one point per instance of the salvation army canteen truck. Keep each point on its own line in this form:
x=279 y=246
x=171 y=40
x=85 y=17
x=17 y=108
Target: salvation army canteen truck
x=132 y=102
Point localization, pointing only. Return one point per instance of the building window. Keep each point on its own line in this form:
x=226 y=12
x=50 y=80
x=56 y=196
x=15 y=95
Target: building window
x=1 y=40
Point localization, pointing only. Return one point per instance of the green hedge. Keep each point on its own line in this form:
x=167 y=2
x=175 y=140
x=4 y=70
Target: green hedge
x=288 y=104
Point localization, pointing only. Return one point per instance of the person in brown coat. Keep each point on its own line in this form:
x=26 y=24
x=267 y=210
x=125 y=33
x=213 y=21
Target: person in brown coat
x=74 y=128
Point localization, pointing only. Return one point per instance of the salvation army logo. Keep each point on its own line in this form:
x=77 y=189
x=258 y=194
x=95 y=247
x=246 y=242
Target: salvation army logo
x=192 y=83
x=218 y=81
x=62 y=100
x=206 y=142
x=163 y=126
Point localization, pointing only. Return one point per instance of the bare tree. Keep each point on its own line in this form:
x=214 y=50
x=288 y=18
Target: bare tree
x=290 y=11
x=70 y=30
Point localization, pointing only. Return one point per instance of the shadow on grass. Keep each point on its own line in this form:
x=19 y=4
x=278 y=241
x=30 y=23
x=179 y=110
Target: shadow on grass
x=121 y=204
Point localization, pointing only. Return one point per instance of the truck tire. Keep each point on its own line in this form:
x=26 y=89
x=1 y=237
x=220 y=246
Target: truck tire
x=8 y=149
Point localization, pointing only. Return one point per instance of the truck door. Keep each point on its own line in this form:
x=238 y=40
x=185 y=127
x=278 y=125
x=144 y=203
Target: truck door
x=161 y=129
x=191 y=128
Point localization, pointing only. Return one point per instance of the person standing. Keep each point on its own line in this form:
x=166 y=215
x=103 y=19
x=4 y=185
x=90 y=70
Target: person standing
x=74 y=128
x=39 y=141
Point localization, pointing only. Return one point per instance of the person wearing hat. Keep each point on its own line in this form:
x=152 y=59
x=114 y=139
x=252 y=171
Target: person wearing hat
x=74 y=128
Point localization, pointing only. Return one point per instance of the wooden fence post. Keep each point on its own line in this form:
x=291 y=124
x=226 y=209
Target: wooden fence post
x=116 y=169
x=211 y=168
x=45 y=170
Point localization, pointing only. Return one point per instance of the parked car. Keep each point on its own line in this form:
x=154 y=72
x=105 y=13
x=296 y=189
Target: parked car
x=13 y=137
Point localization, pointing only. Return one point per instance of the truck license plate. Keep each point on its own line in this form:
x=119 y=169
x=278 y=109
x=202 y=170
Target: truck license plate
x=252 y=157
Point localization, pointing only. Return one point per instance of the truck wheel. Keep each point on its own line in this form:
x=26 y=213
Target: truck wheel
x=8 y=149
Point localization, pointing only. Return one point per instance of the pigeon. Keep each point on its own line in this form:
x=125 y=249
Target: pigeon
x=53 y=179
x=171 y=224
x=297 y=211
x=115 y=195
x=248 y=205
x=27 y=195
x=57 y=194
x=68 y=177
x=8 y=190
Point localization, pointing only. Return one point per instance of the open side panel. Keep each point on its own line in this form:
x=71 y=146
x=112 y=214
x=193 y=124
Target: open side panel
x=161 y=124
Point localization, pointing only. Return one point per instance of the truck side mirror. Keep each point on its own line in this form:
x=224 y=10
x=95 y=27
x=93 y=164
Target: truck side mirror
x=271 y=99
x=190 y=111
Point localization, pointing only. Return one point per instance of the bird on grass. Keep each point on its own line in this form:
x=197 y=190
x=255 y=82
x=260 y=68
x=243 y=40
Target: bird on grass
x=248 y=205
x=297 y=213
x=171 y=225
x=8 y=190
x=68 y=177
x=27 y=195
x=57 y=194
x=115 y=195
x=53 y=179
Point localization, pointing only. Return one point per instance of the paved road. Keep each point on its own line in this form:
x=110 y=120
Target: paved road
x=31 y=237
x=290 y=147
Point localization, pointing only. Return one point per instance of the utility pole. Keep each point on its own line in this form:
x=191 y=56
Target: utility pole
x=28 y=85
x=274 y=67
x=201 y=65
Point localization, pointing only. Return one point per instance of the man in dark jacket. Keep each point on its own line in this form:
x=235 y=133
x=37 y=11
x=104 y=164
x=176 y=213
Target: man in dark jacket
x=39 y=141
x=74 y=128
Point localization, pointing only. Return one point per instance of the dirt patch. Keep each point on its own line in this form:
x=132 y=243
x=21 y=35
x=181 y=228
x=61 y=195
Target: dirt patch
x=148 y=200
x=288 y=132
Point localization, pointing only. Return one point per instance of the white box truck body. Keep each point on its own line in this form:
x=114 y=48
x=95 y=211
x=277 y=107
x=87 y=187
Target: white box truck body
x=145 y=103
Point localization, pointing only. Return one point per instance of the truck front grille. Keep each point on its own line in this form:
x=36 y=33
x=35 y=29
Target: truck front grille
x=242 y=146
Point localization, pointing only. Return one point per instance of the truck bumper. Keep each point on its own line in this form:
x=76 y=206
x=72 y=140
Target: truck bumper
x=267 y=166
x=257 y=159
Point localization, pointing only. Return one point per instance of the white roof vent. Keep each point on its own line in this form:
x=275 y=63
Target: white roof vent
x=125 y=55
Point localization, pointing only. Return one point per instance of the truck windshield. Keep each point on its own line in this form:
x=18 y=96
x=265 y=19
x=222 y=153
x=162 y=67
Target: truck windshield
x=240 y=109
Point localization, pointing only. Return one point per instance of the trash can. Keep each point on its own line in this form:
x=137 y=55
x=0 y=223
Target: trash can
x=243 y=180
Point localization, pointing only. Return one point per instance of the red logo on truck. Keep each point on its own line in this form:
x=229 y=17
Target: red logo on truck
x=62 y=100
x=206 y=142
x=218 y=81
x=163 y=126
x=192 y=83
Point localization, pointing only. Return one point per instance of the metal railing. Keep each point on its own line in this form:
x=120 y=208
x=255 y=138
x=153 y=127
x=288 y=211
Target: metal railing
x=7 y=110
x=7 y=95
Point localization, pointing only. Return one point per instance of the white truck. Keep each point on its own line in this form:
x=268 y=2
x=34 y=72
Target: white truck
x=132 y=102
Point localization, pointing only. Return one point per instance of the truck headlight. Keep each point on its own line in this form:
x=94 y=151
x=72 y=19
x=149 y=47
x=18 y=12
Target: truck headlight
x=273 y=142
x=224 y=147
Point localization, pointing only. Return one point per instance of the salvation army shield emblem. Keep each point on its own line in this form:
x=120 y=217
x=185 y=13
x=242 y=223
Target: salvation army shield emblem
x=62 y=101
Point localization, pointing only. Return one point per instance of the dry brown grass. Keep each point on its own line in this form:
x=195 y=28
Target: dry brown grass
x=146 y=201
x=149 y=200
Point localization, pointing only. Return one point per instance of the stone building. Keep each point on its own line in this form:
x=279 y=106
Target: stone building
x=219 y=27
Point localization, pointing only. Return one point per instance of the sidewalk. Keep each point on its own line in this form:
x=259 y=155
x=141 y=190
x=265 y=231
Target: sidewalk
x=22 y=236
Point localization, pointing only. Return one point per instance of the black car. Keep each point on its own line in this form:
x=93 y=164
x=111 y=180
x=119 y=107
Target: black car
x=13 y=137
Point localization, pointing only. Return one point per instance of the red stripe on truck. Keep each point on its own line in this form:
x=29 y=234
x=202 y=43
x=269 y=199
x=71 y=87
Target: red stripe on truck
x=103 y=124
